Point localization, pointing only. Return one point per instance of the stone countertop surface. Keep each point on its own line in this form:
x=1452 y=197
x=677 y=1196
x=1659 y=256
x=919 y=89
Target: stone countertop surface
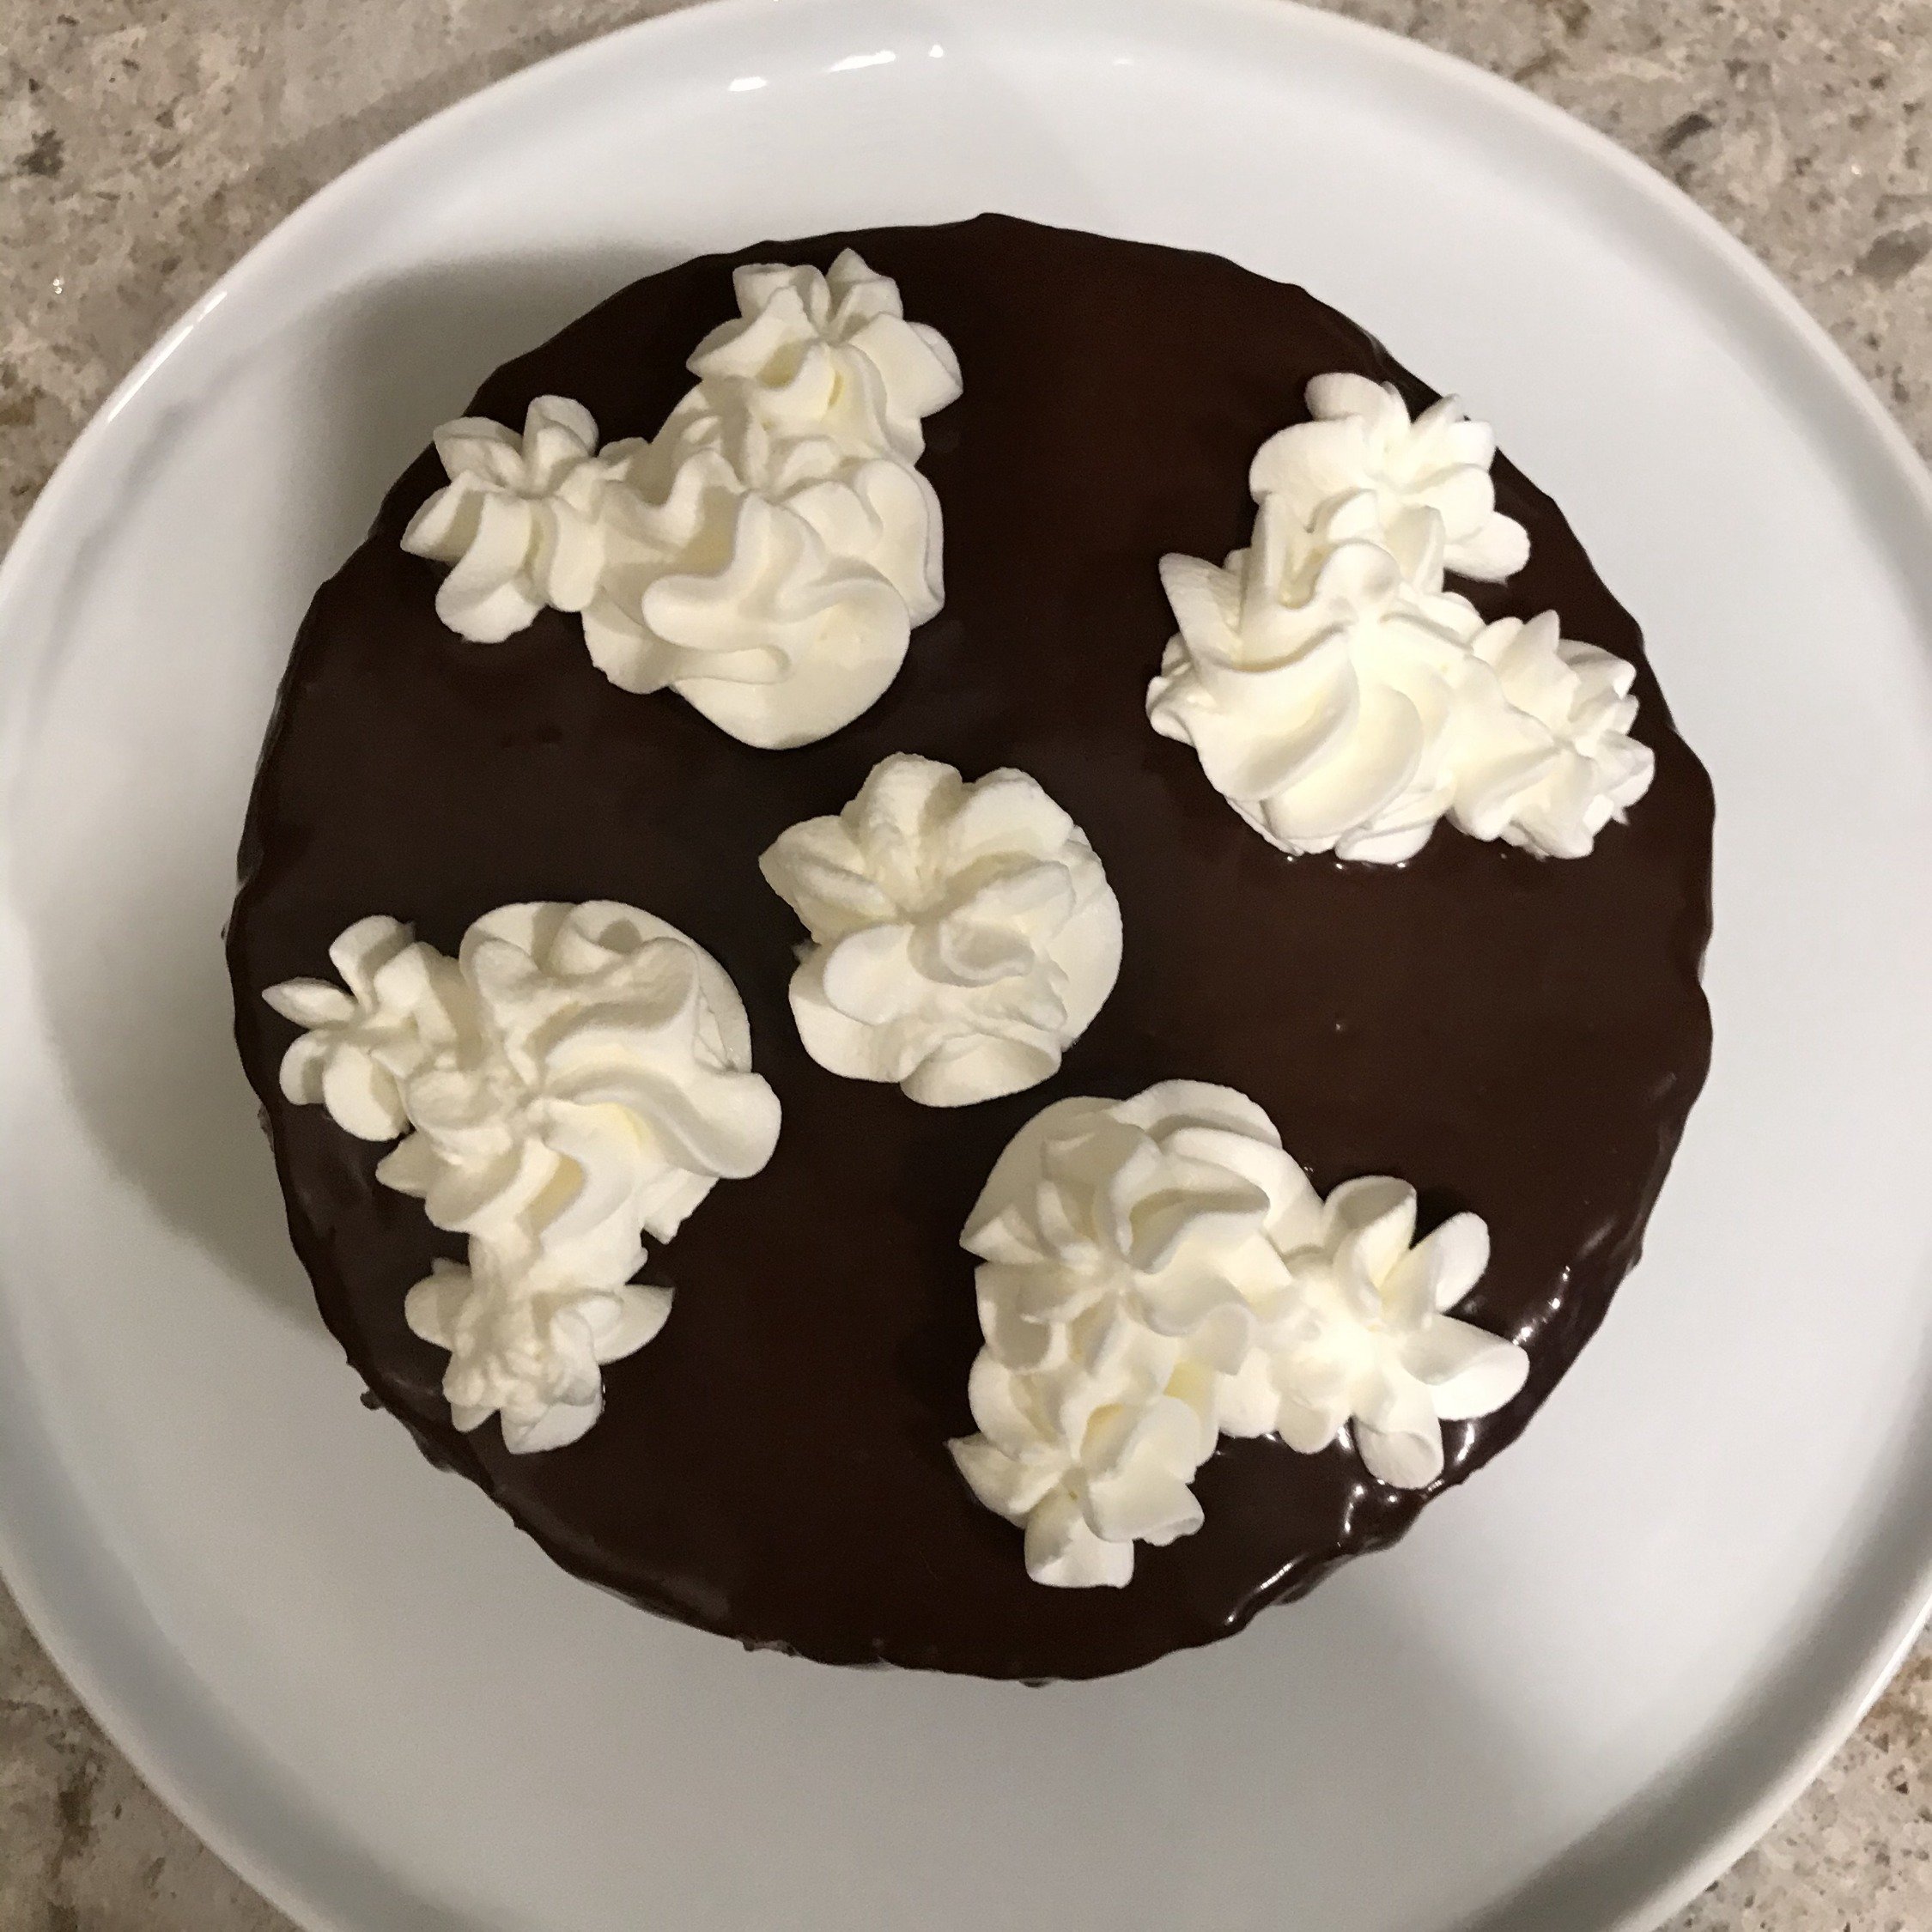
x=144 y=147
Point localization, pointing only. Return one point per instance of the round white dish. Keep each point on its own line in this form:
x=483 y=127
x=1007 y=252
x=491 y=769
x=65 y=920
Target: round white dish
x=1585 y=1682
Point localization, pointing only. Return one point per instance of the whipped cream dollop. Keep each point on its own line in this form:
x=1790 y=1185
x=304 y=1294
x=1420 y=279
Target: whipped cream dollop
x=1116 y=1243
x=522 y=520
x=531 y=1352
x=829 y=355
x=1428 y=480
x=1360 y=1338
x=767 y=553
x=1342 y=699
x=1581 y=771
x=578 y=1077
x=963 y=935
x=362 y=1039
x=1159 y=1272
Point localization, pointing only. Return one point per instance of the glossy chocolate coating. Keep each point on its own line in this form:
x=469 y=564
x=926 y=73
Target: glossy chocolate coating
x=1519 y=1036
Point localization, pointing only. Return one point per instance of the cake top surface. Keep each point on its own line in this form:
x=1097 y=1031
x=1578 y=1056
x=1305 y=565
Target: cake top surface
x=1519 y=1038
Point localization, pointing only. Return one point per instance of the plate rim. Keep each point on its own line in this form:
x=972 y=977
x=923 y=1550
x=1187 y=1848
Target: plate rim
x=1746 y=1820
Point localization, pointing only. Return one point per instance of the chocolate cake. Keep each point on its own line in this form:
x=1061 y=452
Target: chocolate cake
x=1516 y=1036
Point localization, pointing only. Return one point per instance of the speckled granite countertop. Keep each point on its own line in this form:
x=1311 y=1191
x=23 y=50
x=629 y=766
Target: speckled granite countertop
x=143 y=147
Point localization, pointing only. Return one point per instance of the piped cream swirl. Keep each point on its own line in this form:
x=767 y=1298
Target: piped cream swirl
x=1342 y=699
x=963 y=935
x=1157 y=1272
x=577 y=1077
x=1361 y=1339
x=767 y=553
x=521 y=519
x=1428 y=480
x=1581 y=771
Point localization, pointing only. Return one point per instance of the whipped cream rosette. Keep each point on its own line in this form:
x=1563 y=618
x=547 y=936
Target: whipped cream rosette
x=1319 y=684
x=963 y=935
x=767 y=553
x=1428 y=480
x=363 y=1038
x=579 y=1077
x=1120 y=1246
x=1360 y=1338
x=1581 y=771
x=1342 y=699
x=831 y=355
x=522 y=520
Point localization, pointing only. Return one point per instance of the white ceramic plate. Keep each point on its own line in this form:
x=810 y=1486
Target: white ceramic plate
x=1582 y=1684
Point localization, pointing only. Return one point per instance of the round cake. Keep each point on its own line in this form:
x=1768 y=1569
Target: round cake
x=1518 y=1036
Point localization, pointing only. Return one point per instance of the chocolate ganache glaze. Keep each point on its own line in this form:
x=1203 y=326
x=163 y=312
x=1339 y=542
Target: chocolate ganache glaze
x=1519 y=1036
